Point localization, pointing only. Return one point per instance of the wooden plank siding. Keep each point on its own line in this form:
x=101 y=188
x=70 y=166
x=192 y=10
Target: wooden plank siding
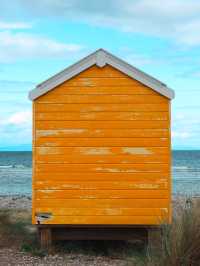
x=102 y=151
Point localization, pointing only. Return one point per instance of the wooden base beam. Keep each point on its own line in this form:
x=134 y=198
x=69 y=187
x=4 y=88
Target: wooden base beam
x=45 y=238
x=98 y=233
x=151 y=235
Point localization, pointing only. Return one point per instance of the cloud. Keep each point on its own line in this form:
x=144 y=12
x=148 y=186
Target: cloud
x=19 y=46
x=175 y=19
x=15 y=128
x=14 y=25
x=20 y=118
x=185 y=128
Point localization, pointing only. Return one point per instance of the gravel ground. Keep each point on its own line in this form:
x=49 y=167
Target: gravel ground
x=11 y=257
x=15 y=202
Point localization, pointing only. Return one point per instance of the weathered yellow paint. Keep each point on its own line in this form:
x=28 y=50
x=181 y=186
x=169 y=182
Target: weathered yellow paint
x=104 y=211
x=101 y=116
x=107 y=90
x=102 y=168
x=101 y=107
x=99 y=158
x=69 y=183
x=49 y=98
x=79 y=151
x=101 y=142
x=102 y=124
x=107 y=220
x=106 y=133
x=102 y=151
x=100 y=194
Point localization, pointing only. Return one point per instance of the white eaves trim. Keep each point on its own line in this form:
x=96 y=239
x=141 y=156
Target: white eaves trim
x=100 y=58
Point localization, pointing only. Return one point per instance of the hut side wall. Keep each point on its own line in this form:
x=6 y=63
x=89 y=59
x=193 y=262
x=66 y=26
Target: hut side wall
x=102 y=151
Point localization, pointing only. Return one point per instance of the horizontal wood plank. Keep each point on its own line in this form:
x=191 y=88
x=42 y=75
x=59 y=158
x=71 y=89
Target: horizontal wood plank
x=50 y=98
x=100 y=194
x=103 y=168
x=77 y=158
x=103 y=203
x=106 y=151
x=103 y=211
x=101 y=81
x=103 y=107
x=101 y=124
x=119 y=184
x=135 y=89
x=85 y=177
x=102 y=116
x=105 y=220
x=102 y=142
x=106 y=133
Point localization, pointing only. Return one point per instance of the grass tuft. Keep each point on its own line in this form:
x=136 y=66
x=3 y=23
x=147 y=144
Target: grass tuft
x=181 y=239
x=16 y=231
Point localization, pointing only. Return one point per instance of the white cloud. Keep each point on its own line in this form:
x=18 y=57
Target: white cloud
x=14 y=25
x=20 y=118
x=19 y=46
x=15 y=128
x=175 y=19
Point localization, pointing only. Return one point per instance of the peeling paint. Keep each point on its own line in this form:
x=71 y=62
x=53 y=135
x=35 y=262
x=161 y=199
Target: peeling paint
x=165 y=210
x=97 y=131
x=96 y=108
x=58 y=132
x=49 y=144
x=48 y=150
x=146 y=186
x=96 y=151
x=115 y=170
x=86 y=82
x=88 y=115
x=71 y=186
x=131 y=150
x=47 y=191
x=88 y=197
x=113 y=211
x=110 y=170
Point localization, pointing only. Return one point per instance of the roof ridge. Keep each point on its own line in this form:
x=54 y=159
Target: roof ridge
x=100 y=57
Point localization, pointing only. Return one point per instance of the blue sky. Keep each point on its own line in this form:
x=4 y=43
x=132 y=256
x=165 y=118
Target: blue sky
x=40 y=38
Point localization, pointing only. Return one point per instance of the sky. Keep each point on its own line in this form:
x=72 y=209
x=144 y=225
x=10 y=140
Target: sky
x=40 y=38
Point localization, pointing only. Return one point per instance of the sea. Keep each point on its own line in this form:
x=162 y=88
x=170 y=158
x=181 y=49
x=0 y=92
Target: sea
x=16 y=172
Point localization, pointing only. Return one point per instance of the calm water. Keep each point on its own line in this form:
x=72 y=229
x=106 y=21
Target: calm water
x=15 y=172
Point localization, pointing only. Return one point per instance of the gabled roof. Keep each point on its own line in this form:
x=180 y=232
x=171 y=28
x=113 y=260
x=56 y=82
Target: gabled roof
x=100 y=58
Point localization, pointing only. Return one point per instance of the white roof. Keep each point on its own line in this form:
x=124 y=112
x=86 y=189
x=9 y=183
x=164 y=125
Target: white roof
x=100 y=58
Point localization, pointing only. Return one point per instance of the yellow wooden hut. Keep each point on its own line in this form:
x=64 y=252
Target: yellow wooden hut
x=101 y=146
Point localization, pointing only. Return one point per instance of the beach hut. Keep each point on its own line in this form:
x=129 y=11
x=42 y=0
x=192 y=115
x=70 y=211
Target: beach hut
x=101 y=151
